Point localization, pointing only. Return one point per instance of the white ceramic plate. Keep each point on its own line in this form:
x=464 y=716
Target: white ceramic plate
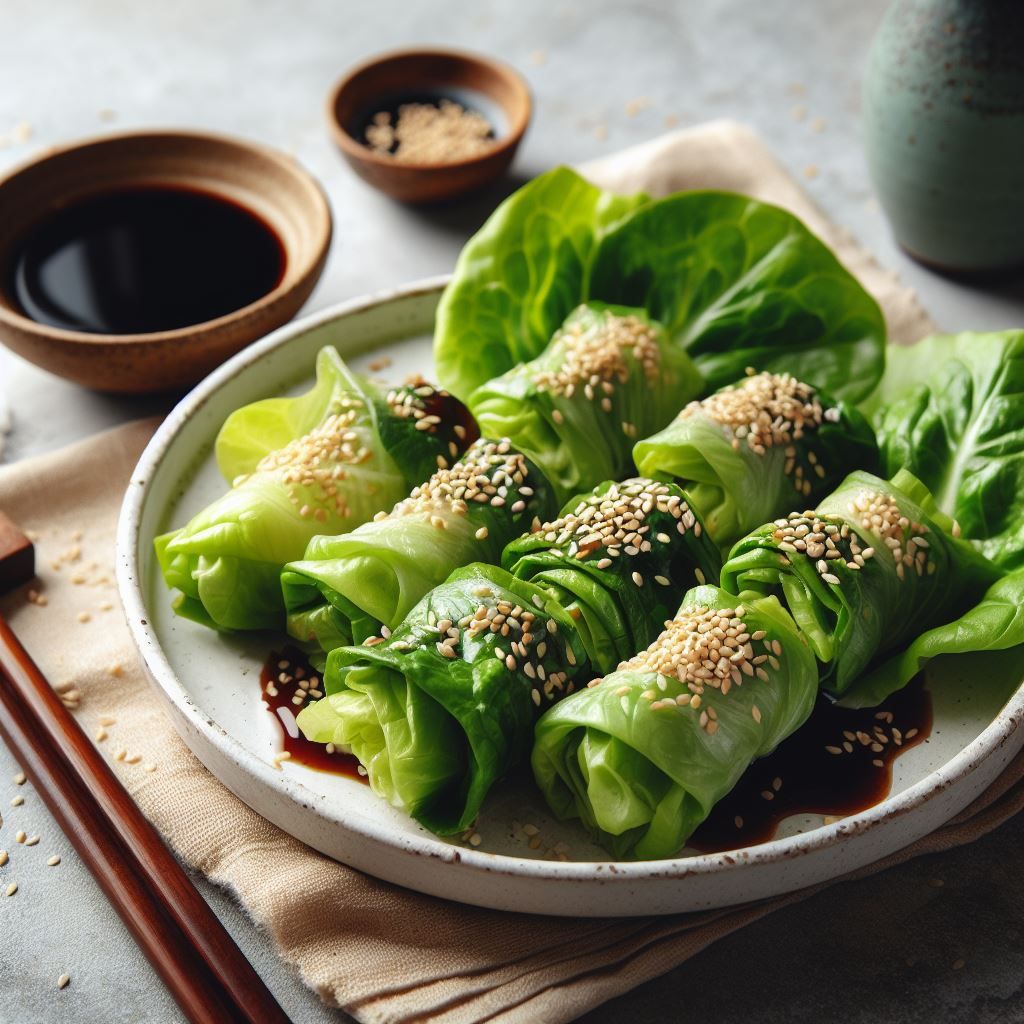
x=211 y=685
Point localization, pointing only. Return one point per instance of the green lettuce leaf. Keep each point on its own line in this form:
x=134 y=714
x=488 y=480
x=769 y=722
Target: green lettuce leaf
x=995 y=623
x=350 y=459
x=609 y=375
x=345 y=587
x=520 y=276
x=443 y=708
x=863 y=575
x=741 y=283
x=642 y=770
x=738 y=479
x=618 y=561
x=951 y=410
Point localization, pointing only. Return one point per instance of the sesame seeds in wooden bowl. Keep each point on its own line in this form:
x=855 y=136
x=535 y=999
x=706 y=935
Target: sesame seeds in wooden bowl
x=441 y=102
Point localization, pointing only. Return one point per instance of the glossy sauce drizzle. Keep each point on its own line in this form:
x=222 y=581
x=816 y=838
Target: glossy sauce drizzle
x=839 y=762
x=284 y=697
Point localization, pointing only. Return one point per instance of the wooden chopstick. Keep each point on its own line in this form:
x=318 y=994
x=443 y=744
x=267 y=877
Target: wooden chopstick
x=197 y=959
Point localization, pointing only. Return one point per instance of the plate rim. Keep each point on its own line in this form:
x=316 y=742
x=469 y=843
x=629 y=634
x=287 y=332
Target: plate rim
x=627 y=873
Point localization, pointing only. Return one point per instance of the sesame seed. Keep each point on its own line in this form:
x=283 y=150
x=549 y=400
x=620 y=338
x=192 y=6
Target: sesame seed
x=63 y=981
x=3 y=858
x=32 y=840
x=20 y=836
x=17 y=801
x=481 y=534
x=12 y=888
x=638 y=579
x=53 y=861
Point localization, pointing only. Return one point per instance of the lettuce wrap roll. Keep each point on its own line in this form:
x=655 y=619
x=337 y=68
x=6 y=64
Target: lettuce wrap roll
x=609 y=376
x=323 y=462
x=441 y=709
x=747 y=453
x=872 y=567
x=346 y=587
x=619 y=561
x=643 y=754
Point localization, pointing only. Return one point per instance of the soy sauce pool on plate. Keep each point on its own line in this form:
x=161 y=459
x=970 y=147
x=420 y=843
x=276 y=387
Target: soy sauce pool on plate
x=144 y=259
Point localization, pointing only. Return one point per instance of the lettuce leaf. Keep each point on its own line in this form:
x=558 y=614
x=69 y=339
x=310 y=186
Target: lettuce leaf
x=640 y=769
x=350 y=458
x=609 y=375
x=874 y=566
x=618 y=560
x=346 y=587
x=520 y=276
x=443 y=708
x=741 y=283
x=736 y=283
x=951 y=410
x=995 y=623
x=737 y=479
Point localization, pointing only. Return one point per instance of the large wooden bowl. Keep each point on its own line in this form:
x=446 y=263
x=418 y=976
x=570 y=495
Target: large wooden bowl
x=269 y=183
x=410 y=73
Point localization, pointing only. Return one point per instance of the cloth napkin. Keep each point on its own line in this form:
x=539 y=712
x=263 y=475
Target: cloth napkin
x=381 y=952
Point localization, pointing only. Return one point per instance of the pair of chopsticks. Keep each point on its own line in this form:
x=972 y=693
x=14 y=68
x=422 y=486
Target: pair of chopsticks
x=187 y=945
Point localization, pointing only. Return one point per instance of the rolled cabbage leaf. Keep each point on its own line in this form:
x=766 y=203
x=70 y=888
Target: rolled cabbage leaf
x=445 y=706
x=864 y=574
x=951 y=410
x=353 y=455
x=642 y=755
x=346 y=587
x=619 y=561
x=749 y=452
x=521 y=275
x=609 y=375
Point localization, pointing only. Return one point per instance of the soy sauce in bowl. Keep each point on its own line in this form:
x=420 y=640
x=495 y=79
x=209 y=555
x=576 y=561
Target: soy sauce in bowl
x=144 y=259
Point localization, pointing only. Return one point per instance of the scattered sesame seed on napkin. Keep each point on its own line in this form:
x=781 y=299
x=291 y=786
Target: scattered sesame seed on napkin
x=383 y=953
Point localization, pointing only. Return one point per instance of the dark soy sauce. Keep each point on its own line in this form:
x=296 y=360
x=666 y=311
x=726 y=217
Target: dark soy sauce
x=278 y=697
x=804 y=776
x=139 y=260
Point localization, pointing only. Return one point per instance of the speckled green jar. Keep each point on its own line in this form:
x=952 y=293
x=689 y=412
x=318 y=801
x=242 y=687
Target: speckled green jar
x=944 y=130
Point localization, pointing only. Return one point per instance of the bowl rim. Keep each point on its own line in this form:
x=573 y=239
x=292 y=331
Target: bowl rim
x=356 y=150
x=321 y=219
x=839 y=834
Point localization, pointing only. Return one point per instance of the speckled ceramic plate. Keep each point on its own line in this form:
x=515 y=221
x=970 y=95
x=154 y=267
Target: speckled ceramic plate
x=211 y=685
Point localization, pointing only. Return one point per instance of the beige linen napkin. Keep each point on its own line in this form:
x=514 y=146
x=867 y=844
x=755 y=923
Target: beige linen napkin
x=383 y=953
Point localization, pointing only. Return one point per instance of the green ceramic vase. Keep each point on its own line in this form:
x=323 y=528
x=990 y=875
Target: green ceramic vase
x=944 y=130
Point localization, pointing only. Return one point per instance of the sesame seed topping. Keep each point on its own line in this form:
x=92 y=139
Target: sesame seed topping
x=63 y=981
x=768 y=410
x=596 y=350
x=489 y=472
x=701 y=648
x=316 y=461
x=881 y=515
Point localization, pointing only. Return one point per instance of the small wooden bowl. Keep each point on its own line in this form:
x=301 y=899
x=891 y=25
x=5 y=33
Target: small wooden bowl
x=268 y=183
x=490 y=87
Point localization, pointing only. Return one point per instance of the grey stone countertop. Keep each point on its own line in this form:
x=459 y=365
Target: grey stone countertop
x=939 y=939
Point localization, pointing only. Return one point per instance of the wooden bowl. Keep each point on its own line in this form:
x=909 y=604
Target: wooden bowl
x=492 y=88
x=270 y=184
